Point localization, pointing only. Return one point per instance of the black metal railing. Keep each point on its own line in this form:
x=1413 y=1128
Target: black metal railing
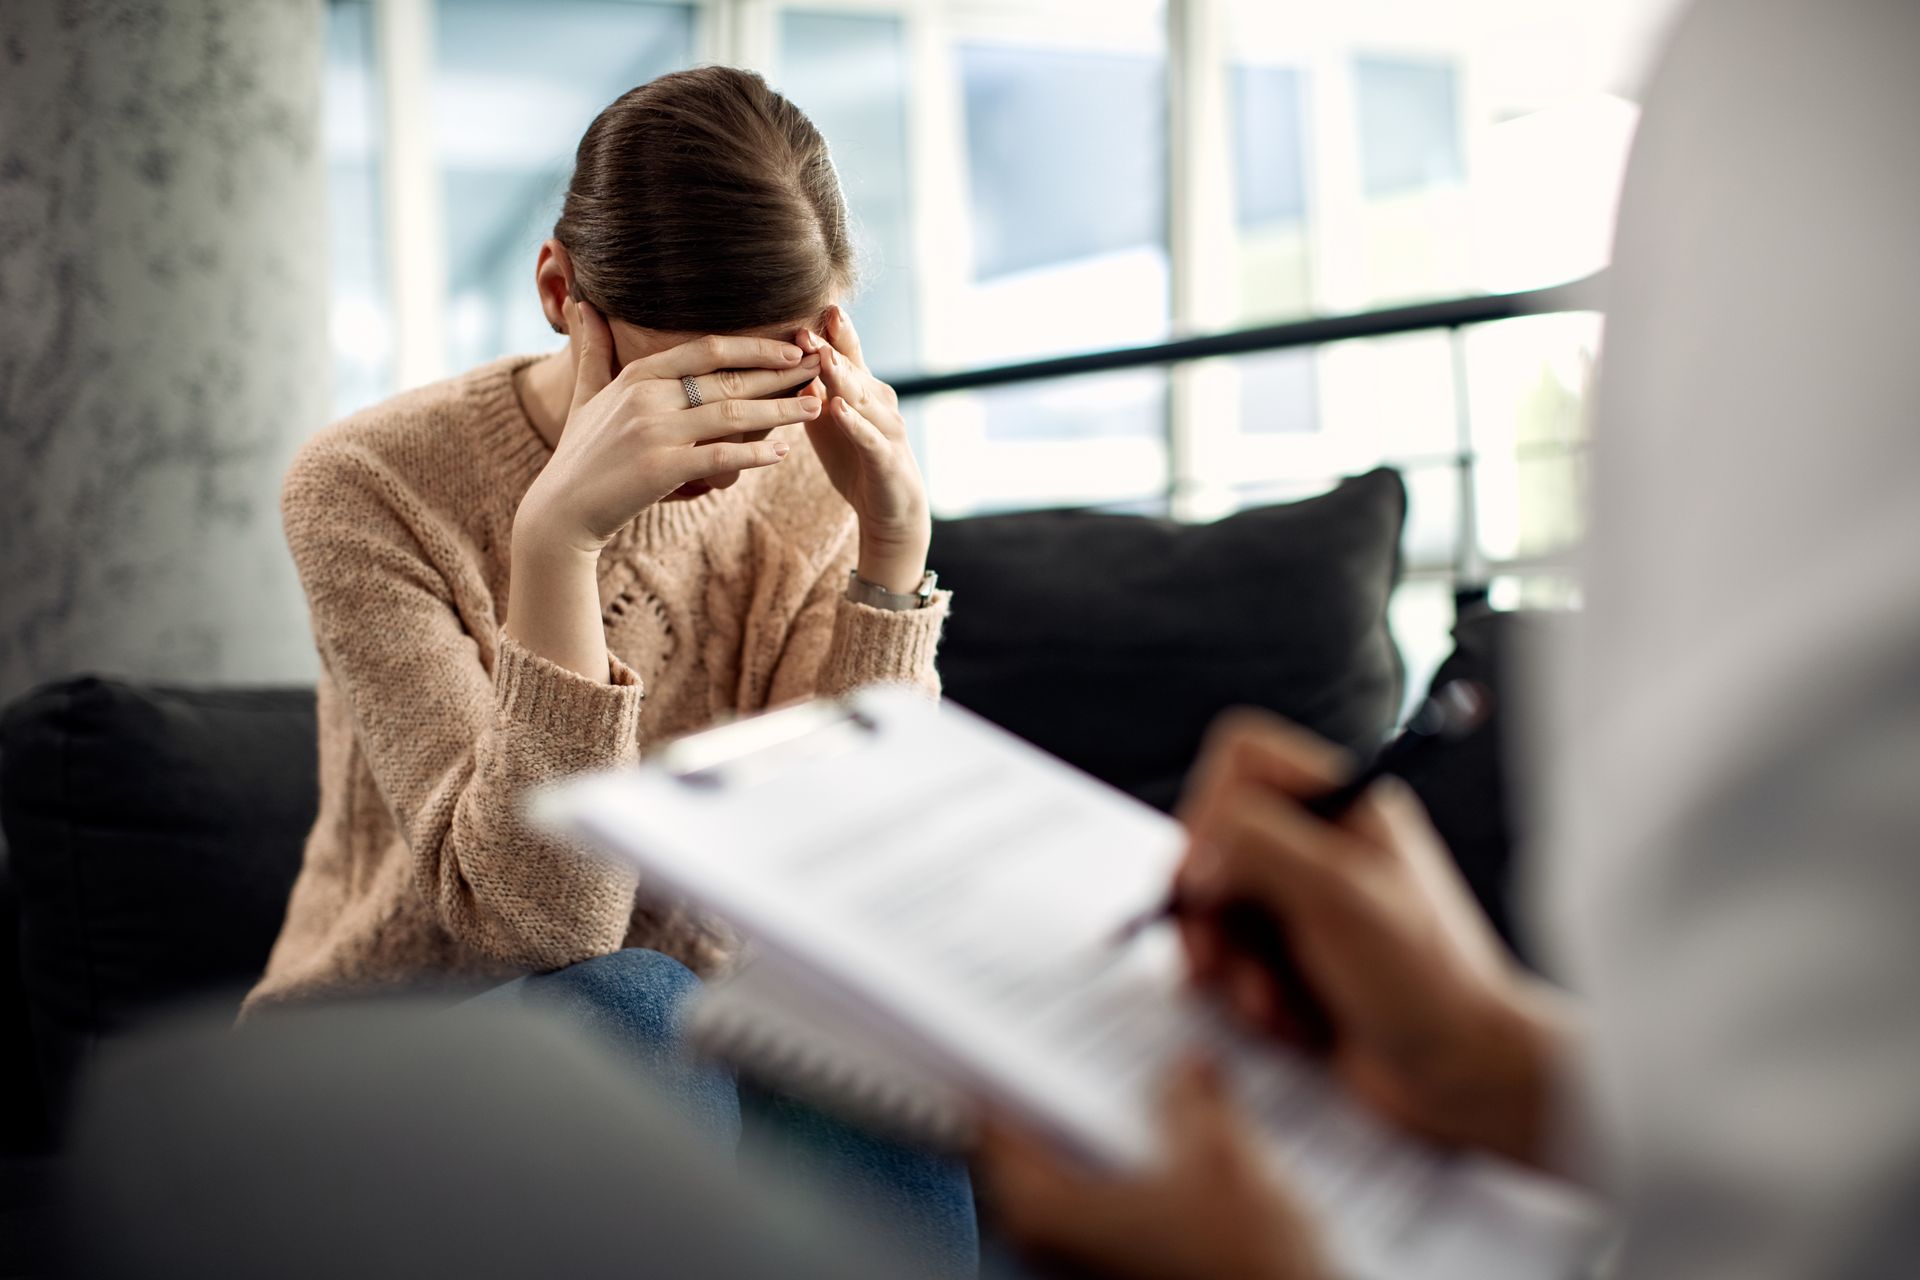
x=1453 y=313
x=1466 y=569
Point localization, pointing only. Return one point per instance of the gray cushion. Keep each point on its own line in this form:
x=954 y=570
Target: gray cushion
x=153 y=834
x=1113 y=640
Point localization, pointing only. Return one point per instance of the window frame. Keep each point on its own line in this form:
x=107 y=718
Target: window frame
x=1200 y=40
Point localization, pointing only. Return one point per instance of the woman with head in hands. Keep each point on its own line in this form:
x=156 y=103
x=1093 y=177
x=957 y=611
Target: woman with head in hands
x=704 y=505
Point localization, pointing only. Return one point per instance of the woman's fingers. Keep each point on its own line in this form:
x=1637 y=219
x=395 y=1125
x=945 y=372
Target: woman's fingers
x=738 y=417
x=714 y=353
x=866 y=437
x=752 y=384
x=843 y=375
x=839 y=375
x=841 y=333
x=592 y=344
x=706 y=460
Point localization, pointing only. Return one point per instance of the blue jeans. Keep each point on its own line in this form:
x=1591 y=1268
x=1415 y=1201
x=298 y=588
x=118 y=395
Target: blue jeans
x=632 y=999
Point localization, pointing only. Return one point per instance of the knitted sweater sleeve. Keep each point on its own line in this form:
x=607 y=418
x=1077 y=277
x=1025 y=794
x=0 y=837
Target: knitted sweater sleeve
x=454 y=740
x=836 y=645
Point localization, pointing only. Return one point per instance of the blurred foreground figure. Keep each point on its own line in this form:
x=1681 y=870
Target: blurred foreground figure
x=391 y=1141
x=1731 y=868
x=1734 y=865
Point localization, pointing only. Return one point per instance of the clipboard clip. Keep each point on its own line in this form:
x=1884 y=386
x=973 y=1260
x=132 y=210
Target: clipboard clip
x=746 y=751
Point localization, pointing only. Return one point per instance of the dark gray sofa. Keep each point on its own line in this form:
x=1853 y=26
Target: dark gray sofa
x=152 y=832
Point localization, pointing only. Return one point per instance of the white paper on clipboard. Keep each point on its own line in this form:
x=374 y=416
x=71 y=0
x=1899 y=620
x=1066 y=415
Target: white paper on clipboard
x=950 y=891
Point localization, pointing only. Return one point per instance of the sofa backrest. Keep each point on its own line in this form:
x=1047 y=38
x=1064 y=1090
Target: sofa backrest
x=1112 y=641
x=155 y=832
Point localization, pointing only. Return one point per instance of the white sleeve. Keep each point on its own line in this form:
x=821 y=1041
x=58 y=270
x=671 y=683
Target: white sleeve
x=1735 y=865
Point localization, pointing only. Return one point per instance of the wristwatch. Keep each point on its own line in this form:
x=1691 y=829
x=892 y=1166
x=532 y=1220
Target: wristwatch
x=860 y=591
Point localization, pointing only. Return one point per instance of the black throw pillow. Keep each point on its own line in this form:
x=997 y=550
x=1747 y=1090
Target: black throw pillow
x=1112 y=641
x=154 y=835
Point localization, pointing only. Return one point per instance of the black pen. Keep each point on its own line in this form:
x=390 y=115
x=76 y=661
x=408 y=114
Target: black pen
x=1454 y=712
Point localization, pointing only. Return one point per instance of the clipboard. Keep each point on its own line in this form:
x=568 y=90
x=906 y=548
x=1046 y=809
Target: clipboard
x=931 y=901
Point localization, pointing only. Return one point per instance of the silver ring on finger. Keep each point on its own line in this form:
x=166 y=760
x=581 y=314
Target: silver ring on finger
x=691 y=386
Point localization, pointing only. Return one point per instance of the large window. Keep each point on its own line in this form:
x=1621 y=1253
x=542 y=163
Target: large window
x=514 y=86
x=1065 y=130
x=1037 y=179
x=851 y=71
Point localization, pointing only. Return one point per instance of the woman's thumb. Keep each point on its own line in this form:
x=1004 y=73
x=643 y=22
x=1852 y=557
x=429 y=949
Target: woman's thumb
x=592 y=344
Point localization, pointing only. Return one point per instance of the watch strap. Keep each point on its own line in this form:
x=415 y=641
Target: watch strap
x=860 y=591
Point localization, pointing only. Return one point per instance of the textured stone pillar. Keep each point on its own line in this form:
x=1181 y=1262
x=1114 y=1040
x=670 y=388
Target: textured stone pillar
x=162 y=333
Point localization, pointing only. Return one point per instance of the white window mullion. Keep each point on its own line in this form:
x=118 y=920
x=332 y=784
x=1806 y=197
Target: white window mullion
x=714 y=23
x=953 y=427
x=1200 y=234
x=738 y=33
x=410 y=180
x=938 y=183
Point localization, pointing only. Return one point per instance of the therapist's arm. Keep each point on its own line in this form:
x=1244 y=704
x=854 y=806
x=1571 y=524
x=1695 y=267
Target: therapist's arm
x=1433 y=1024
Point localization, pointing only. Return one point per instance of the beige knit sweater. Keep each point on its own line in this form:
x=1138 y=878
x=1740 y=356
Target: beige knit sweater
x=433 y=724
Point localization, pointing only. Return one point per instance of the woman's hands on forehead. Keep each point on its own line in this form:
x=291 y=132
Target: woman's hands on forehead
x=862 y=441
x=633 y=435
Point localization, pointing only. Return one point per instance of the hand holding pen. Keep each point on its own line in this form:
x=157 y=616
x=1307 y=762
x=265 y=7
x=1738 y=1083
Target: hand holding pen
x=1452 y=714
x=1252 y=932
x=1323 y=908
x=1341 y=886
